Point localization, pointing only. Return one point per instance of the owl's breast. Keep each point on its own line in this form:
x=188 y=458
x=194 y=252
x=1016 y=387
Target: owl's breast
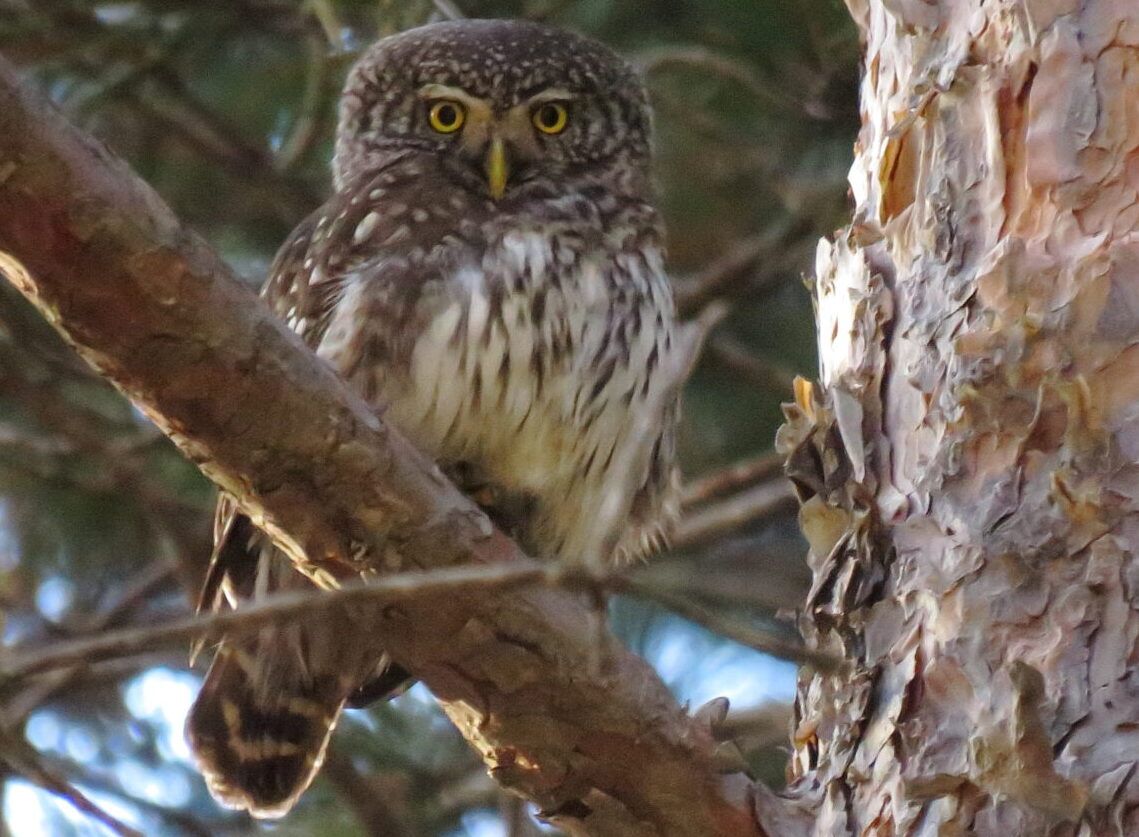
x=526 y=366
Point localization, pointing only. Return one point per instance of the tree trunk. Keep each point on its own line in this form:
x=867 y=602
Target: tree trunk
x=969 y=467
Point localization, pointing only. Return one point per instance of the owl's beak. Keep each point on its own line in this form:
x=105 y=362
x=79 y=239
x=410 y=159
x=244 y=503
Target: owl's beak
x=497 y=167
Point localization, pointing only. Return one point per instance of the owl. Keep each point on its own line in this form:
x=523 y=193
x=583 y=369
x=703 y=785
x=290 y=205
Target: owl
x=489 y=275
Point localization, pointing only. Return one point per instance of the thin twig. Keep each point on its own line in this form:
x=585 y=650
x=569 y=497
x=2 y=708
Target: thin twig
x=113 y=670
x=128 y=641
x=375 y=816
x=162 y=95
x=427 y=584
x=759 y=640
x=329 y=20
x=759 y=503
x=721 y=585
x=208 y=132
x=721 y=65
x=734 y=477
x=37 y=693
x=307 y=126
x=763 y=373
x=22 y=759
x=106 y=783
x=734 y=268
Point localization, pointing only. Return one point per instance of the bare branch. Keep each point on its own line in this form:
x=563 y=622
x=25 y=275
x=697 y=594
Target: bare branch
x=278 y=607
x=732 y=478
x=330 y=23
x=145 y=79
x=759 y=503
x=725 y=275
x=747 y=365
x=306 y=126
x=726 y=67
x=105 y=782
x=373 y=811
x=165 y=98
x=744 y=634
x=425 y=588
x=155 y=310
x=23 y=760
x=23 y=704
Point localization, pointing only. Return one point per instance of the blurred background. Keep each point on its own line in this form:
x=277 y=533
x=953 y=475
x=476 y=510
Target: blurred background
x=227 y=107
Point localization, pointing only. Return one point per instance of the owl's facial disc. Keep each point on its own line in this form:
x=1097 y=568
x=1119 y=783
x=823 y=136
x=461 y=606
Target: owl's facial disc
x=565 y=109
x=496 y=141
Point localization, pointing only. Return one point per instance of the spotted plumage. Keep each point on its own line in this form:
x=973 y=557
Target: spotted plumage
x=488 y=273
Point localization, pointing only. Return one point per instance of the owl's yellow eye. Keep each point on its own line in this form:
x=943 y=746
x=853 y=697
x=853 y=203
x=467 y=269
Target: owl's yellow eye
x=550 y=118
x=446 y=116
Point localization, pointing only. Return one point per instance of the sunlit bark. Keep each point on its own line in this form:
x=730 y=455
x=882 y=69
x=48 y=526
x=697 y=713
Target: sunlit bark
x=970 y=463
x=559 y=712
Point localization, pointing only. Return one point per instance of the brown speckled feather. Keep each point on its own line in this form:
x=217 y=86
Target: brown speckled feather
x=514 y=338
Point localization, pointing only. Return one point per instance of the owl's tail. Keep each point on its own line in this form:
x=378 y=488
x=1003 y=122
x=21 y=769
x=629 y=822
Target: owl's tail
x=260 y=727
x=261 y=723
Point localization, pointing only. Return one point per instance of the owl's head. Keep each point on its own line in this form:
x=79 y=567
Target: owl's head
x=499 y=104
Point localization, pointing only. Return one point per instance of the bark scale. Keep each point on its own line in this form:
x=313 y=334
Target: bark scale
x=969 y=466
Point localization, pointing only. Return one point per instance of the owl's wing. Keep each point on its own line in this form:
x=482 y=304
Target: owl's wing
x=305 y=282
x=263 y=718
x=233 y=562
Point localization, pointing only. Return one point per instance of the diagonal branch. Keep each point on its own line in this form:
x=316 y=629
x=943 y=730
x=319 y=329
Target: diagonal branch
x=375 y=815
x=157 y=312
x=19 y=757
x=760 y=502
x=15 y=711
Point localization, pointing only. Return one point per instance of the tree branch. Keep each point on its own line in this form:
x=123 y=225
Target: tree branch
x=760 y=502
x=376 y=817
x=157 y=312
x=738 y=475
x=448 y=9
x=759 y=640
x=735 y=357
x=20 y=758
x=430 y=589
x=16 y=710
x=277 y=607
x=744 y=267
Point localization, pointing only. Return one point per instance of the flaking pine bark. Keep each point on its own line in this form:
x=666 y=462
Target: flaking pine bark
x=969 y=463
